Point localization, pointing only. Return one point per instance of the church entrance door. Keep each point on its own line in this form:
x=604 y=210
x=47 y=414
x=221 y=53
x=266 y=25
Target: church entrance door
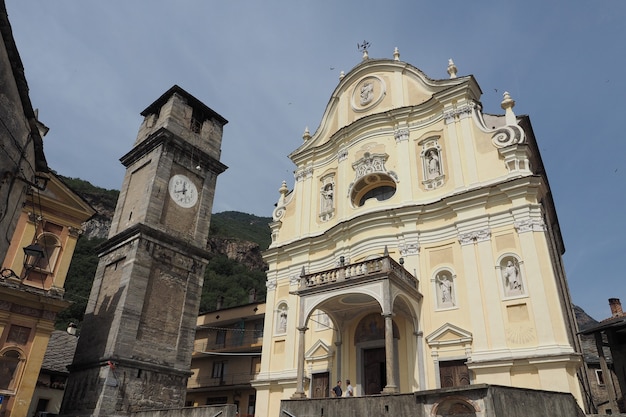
x=374 y=370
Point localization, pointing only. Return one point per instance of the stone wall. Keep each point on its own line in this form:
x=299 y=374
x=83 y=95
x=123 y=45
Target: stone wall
x=227 y=410
x=472 y=401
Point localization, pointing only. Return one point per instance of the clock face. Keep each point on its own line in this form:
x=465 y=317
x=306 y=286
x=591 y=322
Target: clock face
x=183 y=191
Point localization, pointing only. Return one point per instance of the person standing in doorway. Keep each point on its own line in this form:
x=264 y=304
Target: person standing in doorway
x=349 y=389
x=337 y=389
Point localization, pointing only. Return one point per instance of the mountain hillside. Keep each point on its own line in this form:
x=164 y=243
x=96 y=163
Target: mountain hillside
x=236 y=270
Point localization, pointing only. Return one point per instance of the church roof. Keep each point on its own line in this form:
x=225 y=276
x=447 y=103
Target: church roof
x=191 y=100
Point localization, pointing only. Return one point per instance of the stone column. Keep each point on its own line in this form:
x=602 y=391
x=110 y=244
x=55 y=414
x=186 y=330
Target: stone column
x=390 y=358
x=420 y=359
x=300 y=372
x=338 y=350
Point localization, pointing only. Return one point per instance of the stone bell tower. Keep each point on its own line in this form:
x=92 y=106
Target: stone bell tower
x=136 y=343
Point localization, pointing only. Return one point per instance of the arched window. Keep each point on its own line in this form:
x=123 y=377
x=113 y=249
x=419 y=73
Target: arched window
x=10 y=366
x=51 y=247
x=379 y=186
x=372 y=181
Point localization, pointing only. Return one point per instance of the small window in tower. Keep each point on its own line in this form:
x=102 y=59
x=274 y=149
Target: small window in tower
x=599 y=377
x=197 y=119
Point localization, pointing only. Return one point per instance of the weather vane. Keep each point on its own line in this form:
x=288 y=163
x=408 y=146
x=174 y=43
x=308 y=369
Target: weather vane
x=363 y=46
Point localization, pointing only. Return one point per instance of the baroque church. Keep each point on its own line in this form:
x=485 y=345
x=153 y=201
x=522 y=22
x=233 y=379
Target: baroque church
x=419 y=248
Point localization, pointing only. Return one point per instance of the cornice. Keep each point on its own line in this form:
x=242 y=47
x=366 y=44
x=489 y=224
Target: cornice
x=451 y=205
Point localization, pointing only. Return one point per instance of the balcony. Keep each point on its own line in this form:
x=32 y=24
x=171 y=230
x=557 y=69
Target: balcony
x=216 y=339
x=227 y=380
x=353 y=274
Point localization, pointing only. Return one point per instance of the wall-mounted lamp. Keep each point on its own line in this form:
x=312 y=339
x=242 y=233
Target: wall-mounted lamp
x=32 y=255
x=401 y=261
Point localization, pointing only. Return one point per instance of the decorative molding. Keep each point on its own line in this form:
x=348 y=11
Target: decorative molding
x=74 y=231
x=367 y=93
x=278 y=213
x=409 y=249
x=507 y=136
x=530 y=225
x=520 y=333
x=294 y=280
x=462 y=111
x=326 y=216
x=369 y=164
x=302 y=173
x=271 y=284
x=401 y=134
x=342 y=155
x=461 y=336
x=474 y=237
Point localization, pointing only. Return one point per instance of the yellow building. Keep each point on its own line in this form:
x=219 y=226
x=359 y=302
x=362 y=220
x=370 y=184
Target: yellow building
x=31 y=287
x=419 y=247
x=227 y=357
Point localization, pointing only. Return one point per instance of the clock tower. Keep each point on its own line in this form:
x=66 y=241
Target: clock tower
x=135 y=347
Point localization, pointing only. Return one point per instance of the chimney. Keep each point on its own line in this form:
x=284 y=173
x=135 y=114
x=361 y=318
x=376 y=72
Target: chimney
x=616 y=307
x=220 y=302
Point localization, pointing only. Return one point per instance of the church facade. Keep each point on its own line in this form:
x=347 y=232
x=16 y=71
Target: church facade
x=419 y=248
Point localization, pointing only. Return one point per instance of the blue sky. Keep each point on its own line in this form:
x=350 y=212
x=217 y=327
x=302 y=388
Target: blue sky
x=269 y=67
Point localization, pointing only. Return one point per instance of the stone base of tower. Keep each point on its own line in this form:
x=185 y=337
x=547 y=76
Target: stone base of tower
x=114 y=389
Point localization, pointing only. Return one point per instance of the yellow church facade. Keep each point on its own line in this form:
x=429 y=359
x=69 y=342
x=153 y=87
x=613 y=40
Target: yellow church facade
x=418 y=248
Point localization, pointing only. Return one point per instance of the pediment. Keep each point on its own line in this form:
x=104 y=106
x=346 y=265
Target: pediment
x=376 y=86
x=319 y=350
x=60 y=199
x=449 y=334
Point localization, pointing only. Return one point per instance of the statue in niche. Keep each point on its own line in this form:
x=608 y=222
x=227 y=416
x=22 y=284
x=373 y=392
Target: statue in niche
x=282 y=320
x=327 y=198
x=445 y=288
x=512 y=278
x=367 y=93
x=433 y=167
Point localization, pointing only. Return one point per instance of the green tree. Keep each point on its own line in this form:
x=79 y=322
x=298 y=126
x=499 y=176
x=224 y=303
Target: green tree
x=78 y=281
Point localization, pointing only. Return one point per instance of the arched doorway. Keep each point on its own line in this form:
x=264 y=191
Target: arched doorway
x=369 y=339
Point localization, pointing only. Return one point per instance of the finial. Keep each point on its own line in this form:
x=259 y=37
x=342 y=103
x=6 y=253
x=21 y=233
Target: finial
x=451 y=68
x=306 y=135
x=396 y=54
x=283 y=190
x=341 y=75
x=507 y=104
x=363 y=47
